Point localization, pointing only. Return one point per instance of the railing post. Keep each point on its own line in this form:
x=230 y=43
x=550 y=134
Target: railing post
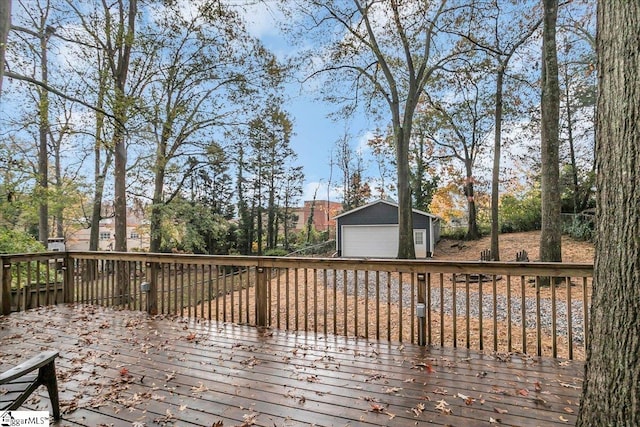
x=5 y=290
x=421 y=310
x=261 y=297
x=152 y=295
x=69 y=290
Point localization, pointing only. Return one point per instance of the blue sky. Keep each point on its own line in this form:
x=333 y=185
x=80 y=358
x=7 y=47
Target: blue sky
x=315 y=133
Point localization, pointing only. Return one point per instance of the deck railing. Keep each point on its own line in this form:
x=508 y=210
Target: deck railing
x=535 y=308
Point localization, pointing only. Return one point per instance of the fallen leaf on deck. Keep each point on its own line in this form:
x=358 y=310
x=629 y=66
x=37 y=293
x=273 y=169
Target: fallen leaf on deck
x=424 y=366
x=563 y=419
x=441 y=391
x=494 y=421
x=249 y=420
x=542 y=402
x=124 y=372
x=182 y=407
x=419 y=409
x=391 y=390
x=442 y=407
x=568 y=410
x=376 y=408
x=201 y=388
x=538 y=386
x=575 y=387
x=500 y=411
x=467 y=400
x=164 y=420
x=169 y=377
x=191 y=337
x=523 y=392
x=391 y=416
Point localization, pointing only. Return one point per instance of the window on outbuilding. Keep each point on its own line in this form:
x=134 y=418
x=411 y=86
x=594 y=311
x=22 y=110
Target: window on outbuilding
x=418 y=237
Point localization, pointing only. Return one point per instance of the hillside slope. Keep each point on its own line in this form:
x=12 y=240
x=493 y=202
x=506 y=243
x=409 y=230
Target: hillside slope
x=511 y=243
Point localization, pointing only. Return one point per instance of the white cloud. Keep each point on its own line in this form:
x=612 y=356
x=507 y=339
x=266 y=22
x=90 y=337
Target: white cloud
x=335 y=194
x=262 y=19
x=363 y=143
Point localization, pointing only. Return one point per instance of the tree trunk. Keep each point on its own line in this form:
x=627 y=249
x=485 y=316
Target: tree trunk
x=495 y=179
x=120 y=147
x=272 y=230
x=406 y=247
x=550 y=236
x=120 y=188
x=99 y=170
x=472 y=224
x=59 y=211
x=611 y=393
x=121 y=112
x=5 y=26
x=572 y=151
x=155 y=223
x=100 y=173
x=43 y=132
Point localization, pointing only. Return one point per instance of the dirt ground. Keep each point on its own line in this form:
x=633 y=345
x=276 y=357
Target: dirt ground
x=510 y=244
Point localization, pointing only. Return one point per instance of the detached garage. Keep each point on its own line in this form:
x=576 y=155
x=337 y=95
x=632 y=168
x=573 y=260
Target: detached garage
x=371 y=231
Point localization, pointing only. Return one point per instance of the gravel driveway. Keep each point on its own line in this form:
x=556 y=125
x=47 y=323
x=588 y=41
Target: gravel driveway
x=487 y=303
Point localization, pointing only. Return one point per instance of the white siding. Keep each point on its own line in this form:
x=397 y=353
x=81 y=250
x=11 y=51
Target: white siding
x=370 y=241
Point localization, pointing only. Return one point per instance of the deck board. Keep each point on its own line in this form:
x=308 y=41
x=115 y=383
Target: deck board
x=123 y=367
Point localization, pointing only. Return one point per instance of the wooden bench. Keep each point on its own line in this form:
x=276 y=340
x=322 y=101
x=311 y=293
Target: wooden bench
x=19 y=382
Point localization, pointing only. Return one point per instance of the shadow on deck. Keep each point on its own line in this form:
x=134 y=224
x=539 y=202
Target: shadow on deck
x=127 y=368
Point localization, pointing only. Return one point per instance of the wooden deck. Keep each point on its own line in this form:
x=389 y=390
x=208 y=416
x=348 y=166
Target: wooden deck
x=125 y=368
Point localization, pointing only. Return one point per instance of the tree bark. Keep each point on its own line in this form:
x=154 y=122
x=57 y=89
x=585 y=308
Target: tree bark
x=5 y=26
x=611 y=393
x=572 y=151
x=550 y=236
x=120 y=111
x=406 y=247
x=157 y=204
x=43 y=132
x=472 y=221
x=59 y=210
x=495 y=179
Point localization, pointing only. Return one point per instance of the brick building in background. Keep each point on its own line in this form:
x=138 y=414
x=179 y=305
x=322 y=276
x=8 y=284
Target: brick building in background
x=323 y=213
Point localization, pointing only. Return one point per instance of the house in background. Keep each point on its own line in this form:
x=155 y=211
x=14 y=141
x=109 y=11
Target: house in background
x=137 y=234
x=371 y=231
x=323 y=215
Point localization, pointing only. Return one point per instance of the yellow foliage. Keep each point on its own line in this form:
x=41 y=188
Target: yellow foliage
x=448 y=203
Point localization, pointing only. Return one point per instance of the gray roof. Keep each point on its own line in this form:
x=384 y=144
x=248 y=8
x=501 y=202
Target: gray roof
x=387 y=202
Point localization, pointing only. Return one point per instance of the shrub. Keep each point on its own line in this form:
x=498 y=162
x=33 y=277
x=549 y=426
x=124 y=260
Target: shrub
x=453 y=233
x=580 y=229
x=18 y=242
x=276 y=252
x=521 y=214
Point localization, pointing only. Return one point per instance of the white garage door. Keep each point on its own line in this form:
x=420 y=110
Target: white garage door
x=370 y=241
